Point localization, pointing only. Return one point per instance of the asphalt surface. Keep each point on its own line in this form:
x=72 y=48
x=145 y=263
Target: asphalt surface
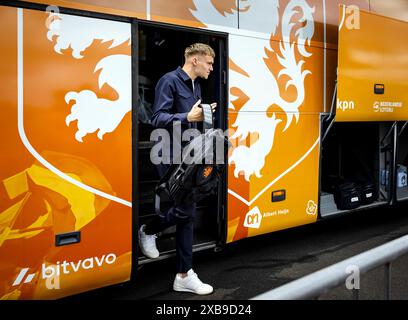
x=253 y=266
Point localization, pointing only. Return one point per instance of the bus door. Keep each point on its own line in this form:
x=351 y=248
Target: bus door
x=161 y=50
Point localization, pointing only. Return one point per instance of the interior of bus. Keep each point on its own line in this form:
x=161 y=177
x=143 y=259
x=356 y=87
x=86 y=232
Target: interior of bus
x=356 y=159
x=161 y=50
x=402 y=162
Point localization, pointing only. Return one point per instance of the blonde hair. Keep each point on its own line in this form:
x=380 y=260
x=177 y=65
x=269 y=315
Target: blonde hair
x=198 y=48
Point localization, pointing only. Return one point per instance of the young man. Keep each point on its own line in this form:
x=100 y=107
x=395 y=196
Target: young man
x=177 y=98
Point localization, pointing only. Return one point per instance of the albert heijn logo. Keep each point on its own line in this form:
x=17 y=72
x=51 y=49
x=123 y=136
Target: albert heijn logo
x=253 y=218
x=22 y=276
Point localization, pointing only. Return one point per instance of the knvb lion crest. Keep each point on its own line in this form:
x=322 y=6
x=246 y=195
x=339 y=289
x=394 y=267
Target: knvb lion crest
x=94 y=114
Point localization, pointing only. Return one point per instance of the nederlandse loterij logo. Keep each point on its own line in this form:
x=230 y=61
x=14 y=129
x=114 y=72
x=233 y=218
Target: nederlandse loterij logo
x=376 y=106
x=52 y=272
x=386 y=106
x=253 y=218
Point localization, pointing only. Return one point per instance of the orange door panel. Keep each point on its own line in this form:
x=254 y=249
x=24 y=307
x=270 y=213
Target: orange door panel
x=66 y=154
x=276 y=85
x=284 y=193
x=371 y=57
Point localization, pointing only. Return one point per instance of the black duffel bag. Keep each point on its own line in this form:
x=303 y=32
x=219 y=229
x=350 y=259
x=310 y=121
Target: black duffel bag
x=347 y=195
x=368 y=192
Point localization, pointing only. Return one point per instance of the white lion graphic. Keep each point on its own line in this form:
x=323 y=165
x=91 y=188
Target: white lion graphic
x=261 y=86
x=92 y=113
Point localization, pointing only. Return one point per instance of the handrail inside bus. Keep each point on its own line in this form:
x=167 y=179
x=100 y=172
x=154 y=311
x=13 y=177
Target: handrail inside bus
x=388 y=133
x=331 y=115
x=328 y=129
x=403 y=128
x=333 y=101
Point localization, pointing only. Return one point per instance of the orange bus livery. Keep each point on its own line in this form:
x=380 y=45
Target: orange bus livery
x=312 y=94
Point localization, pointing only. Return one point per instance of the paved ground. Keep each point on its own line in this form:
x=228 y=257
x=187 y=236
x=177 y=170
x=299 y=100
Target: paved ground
x=253 y=266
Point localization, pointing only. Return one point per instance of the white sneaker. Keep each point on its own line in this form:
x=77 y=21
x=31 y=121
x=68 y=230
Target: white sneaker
x=191 y=283
x=147 y=243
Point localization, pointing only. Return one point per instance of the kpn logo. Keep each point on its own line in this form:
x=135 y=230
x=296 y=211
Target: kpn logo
x=51 y=272
x=345 y=105
x=253 y=218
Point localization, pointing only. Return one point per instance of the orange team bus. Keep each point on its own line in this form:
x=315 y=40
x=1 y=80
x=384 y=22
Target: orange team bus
x=313 y=94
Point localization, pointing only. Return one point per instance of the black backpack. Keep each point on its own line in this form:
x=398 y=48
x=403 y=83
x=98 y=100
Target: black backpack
x=193 y=180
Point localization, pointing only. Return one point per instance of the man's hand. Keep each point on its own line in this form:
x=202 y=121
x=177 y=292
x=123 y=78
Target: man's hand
x=196 y=113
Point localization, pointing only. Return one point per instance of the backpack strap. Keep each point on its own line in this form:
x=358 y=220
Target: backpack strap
x=159 y=191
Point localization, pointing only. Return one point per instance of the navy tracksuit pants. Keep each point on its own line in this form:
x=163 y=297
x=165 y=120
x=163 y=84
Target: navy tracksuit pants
x=184 y=228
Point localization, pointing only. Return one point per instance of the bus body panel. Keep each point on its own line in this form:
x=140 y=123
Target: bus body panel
x=125 y=8
x=286 y=194
x=275 y=107
x=371 y=54
x=59 y=173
